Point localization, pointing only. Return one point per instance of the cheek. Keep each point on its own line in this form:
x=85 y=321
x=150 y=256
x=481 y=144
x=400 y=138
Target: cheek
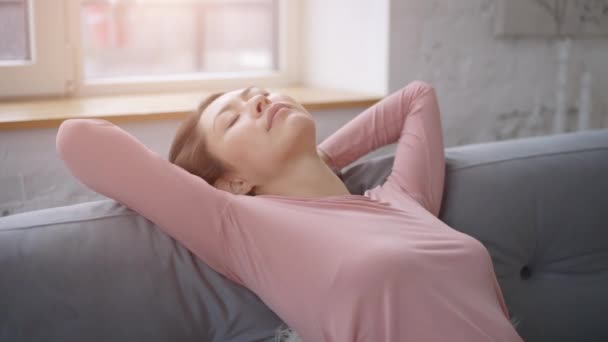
x=247 y=144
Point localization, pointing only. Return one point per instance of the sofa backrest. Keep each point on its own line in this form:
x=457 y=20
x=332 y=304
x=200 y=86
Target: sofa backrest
x=540 y=206
x=97 y=271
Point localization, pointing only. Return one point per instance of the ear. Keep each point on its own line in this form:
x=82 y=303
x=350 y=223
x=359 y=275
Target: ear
x=233 y=185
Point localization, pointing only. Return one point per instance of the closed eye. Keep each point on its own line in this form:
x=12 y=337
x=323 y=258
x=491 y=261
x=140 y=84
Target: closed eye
x=234 y=121
x=264 y=93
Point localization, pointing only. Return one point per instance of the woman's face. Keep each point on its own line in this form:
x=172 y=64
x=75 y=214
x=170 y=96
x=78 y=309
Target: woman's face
x=238 y=131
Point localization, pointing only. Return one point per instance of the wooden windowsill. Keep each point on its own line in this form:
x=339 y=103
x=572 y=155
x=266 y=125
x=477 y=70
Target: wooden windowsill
x=25 y=114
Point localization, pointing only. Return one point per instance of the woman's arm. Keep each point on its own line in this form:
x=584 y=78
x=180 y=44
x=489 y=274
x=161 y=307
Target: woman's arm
x=114 y=163
x=411 y=117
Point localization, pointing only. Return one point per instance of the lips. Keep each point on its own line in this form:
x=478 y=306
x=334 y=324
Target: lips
x=273 y=110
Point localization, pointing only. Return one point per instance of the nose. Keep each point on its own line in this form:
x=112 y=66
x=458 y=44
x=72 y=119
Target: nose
x=259 y=104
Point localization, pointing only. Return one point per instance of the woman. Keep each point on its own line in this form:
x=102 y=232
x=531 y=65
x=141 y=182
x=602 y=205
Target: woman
x=378 y=267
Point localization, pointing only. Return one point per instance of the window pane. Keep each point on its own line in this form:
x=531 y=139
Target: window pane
x=14 y=33
x=239 y=38
x=147 y=38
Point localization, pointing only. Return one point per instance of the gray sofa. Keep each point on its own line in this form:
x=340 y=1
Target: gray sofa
x=97 y=271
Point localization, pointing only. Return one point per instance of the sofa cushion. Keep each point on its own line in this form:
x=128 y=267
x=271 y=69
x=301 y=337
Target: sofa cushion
x=98 y=271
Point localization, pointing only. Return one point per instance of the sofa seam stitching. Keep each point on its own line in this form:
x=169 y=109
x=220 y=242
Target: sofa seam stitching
x=457 y=168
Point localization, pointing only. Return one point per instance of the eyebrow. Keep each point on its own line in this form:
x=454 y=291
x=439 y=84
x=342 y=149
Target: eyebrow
x=242 y=95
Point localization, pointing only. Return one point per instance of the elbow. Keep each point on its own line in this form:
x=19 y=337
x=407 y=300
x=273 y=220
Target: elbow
x=82 y=144
x=67 y=137
x=419 y=88
x=73 y=135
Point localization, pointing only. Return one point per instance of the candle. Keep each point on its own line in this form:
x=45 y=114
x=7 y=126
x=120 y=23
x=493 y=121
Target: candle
x=584 y=109
x=559 y=121
x=535 y=123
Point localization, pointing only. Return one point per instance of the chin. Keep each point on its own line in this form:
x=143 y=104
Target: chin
x=298 y=133
x=297 y=123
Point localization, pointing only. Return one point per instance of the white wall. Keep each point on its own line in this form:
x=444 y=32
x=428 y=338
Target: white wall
x=478 y=78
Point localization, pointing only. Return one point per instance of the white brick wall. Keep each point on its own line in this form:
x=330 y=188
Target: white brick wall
x=478 y=77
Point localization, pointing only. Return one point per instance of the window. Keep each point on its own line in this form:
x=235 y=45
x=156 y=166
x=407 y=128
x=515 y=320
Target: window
x=160 y=37
x=33 y=55
x=14 y=31
x=127 y=46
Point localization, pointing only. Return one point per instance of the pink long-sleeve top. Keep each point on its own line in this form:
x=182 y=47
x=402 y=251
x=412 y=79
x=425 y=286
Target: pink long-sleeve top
x=378 y=267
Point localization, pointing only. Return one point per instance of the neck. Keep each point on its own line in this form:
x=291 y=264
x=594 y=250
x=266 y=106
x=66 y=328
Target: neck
x=308 y=176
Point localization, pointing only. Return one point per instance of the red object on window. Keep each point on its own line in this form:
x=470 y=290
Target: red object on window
x=97 y=17
x=120 y=26
x=108 y=24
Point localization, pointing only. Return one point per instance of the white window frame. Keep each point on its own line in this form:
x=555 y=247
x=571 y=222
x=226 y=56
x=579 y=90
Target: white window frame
x=30 y=38
x=58 y=53
x=46 y=70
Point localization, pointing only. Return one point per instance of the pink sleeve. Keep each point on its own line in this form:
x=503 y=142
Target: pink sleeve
x=113 y=163
x=411 y=117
